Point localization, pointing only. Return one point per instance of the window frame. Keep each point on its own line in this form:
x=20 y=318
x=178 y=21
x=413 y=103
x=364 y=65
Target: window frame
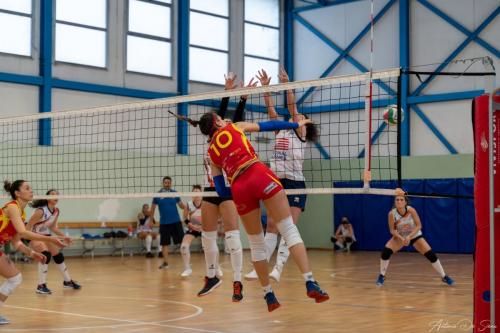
x=147 y=36
x=79 y=25
x=279 y=27
x=228 y=18
x=32 y=30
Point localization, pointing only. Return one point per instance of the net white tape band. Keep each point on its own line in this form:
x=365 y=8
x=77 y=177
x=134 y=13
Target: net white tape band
x=374 y=191
x=211 y=95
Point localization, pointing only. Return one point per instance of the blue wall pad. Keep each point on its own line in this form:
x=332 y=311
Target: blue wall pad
x=448 y=224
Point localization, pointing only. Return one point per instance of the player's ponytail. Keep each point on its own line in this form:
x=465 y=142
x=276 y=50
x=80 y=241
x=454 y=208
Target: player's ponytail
x=206 y=122
x=312 y=131
x=11 y=188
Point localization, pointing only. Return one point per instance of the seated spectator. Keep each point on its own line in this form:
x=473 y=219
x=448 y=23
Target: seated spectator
x=344 y=237
x=145 y=231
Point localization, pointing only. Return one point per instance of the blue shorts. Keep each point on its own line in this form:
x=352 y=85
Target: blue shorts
x=295 y=200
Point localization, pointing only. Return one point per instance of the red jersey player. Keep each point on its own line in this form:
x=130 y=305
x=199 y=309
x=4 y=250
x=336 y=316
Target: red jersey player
x=12 y=229
x=252 y=181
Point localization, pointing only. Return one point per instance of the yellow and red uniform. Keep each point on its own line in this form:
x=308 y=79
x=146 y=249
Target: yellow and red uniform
x=7 y=230
x=251 y=181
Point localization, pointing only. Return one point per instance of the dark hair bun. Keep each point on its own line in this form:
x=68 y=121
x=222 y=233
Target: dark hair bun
x=7 y=185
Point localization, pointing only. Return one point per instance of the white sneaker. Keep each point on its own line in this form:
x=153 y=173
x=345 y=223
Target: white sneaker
x=252 y=275
x=275 y=274
x=187 y=272
x=219 y=273
x=4 y=321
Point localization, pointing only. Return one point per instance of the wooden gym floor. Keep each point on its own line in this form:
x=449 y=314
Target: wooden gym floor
x=130 y=294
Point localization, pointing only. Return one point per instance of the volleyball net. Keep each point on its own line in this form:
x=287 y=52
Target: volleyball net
x=122 y=151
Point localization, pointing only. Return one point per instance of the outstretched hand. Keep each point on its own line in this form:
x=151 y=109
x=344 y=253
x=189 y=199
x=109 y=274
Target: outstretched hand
x=263 y=78
x=38 y=257
x=251 y=84
x=230 y=81
x=283 y=75
x=57 y=242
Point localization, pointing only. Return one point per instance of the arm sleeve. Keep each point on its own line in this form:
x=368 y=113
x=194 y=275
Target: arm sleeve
x=276 y=125
x=238 y=115
x=223 y=107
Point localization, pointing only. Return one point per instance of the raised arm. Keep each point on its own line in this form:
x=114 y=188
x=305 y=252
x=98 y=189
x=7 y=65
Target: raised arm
x=290 y=96
x=264 y=81
x=238 y=114
x=229 y=83
x=290 y=102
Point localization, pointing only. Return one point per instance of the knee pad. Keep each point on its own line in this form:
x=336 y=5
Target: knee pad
x=386 y=253
x=333 y=239
x=149 y=236
x=233 y=241
x=431 y=256
x=10 y=284
x=209 y=240
x=289 y=232
x=58 y=258
x=47 y=255
x=258 y=247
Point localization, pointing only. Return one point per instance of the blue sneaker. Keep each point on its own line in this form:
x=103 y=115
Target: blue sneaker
x=448 y=280
x=42 y=289
x=380 y=280
x=71 y=284
x=272 y=302
x=314 y=291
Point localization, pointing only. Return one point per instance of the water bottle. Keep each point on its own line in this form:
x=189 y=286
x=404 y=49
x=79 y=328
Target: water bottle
x=129 y=229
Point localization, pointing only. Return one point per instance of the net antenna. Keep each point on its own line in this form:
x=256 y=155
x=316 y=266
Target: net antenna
x=367 y=176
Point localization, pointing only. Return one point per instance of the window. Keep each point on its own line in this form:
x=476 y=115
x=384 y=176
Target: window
x=15 y=27
x=81 y=32
x=149 y=45
x=208 y=40
x=262 y=38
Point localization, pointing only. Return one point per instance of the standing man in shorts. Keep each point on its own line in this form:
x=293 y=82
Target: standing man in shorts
x=170 y=222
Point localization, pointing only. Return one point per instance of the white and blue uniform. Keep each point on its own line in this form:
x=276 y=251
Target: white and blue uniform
x=144 y=225
x=405 y=224
x=286 y=163
x=46 y=222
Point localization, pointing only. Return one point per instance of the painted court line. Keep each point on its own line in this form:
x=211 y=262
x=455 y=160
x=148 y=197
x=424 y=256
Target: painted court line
x=125 y=322
x=128 y=322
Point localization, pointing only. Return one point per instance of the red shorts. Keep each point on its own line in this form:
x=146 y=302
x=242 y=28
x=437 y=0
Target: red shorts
x=256 y=183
